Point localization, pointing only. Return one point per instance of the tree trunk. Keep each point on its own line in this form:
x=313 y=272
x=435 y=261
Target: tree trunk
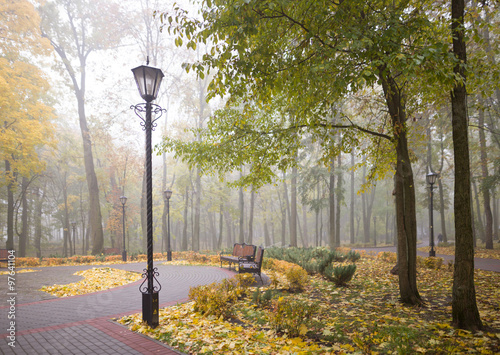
x=40 y=195
x=353 y=196
x=23 y=237
x=293 y=211
x=464 y=308
x=331 y=199
x=250 y=218
x=221 y=226
x=305 y=241
x=441 y=195
x=479 y=219
x=340 y=198
x=242 y=214
x=197 y=209
x=488 y=233
x=229 y=227
x=10 y=206
x=405 y=194
x=267 y=240
x=184 y=244
x=495 y=215
x=283 y=221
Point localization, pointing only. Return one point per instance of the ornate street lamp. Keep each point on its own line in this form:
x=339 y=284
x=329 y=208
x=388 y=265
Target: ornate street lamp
x=148 y=81
x=431 y=180
x=166 y=195
x=123 y=200
x=73 y=224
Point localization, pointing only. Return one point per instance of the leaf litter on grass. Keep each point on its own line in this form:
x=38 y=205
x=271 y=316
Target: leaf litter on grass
x=364 y=317
x=95 y=279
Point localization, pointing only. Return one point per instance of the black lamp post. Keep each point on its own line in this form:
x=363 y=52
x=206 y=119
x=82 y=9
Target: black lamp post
x=148 y=81
x=431 y=180
x=73 y=224
x=123 y=200
x=166 y=195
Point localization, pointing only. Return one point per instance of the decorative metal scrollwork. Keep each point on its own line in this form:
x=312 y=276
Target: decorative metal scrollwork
x=154 y=287
x=141 y=110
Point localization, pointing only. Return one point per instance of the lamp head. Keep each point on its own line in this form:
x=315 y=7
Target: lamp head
x=123 y=200
x=148 y=80
x=167 y=194
x=431 y=178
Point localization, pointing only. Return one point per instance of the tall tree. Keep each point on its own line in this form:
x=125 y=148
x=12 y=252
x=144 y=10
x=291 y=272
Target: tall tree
x=464 y=308
x=272 y=56
x=26 y=117
x=75 y=30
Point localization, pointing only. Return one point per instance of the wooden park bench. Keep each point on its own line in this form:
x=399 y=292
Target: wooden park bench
x=241 y=252
x=4 y=256
x=253 y=266
x=112 y=251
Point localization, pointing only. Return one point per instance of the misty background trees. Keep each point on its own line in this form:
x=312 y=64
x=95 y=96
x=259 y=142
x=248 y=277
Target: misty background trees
x=70 y=145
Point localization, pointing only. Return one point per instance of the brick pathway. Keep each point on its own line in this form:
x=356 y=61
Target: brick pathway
x=82 y=324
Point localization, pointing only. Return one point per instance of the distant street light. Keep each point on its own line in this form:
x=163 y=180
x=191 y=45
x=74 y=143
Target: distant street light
x=123 y=200
x=73 y=224
x=166 y=195
x=148 y=80
x=431 y=180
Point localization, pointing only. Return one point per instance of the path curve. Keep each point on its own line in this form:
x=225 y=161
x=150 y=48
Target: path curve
x=81 y=324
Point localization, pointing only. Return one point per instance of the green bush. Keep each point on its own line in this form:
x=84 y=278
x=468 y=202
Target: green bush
x=291 y=316
x=340 y=275
x=353 y=256
x=262 y=299
x=313 y=260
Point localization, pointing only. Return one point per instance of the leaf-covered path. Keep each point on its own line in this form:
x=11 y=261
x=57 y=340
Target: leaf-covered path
x=45 y=324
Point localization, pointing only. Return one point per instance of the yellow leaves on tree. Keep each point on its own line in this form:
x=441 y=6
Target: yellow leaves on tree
x=25 y=122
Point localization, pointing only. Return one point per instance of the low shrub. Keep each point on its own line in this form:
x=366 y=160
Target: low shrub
x=113 y=258
x=433 y=262
x=217 y=299
x=353 y=256
x=297 y=278
x=291 y=316
x=388 y=256
x=54 y=261
x=341 y=274
x=262 y=298
x=20 y=262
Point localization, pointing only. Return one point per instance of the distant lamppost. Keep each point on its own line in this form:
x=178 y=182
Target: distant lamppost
x=166 y=195
x=123 y=200
x=73 y=224
x=431 y=180
x=375 y=231
x=148 y=81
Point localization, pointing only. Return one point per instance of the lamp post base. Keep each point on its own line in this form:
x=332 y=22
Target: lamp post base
x=124 y=255
x=432 y=252
x=169 y=255
x=150 y=309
